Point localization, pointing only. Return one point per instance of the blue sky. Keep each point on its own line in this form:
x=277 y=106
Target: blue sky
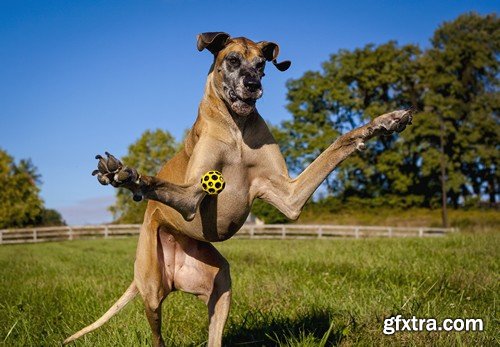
x=81 y=77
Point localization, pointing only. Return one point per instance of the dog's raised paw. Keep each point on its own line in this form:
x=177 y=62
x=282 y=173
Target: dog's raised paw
x=125 y=174
x=389 y=123
x=110 y=170
x=113 y=163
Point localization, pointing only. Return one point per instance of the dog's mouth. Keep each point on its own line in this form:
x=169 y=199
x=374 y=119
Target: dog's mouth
x=235 y=98
x=240 y=100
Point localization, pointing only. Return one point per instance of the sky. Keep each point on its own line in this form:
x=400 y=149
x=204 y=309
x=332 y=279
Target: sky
x=78 y=78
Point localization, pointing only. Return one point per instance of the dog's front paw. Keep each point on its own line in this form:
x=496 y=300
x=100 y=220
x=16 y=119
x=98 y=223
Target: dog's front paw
x=111 y=171
x=389 y=123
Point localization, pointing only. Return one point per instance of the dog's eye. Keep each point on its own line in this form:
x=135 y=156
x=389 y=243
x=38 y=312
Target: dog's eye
x=234 y=61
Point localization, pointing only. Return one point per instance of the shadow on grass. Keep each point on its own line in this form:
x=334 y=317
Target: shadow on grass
x=317 y=327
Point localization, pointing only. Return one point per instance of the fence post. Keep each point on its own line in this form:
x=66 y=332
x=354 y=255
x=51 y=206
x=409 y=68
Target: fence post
x=283 y=232
x=1 y=237
x=252 y=231
x=35 y=236
x=70 y=233
x=106 y=232
x=320 y=232
x=420 y=232
x=356 y=233
x=389 y=232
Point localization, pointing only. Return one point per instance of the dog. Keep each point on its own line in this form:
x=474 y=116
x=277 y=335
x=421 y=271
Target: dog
x=174 y=250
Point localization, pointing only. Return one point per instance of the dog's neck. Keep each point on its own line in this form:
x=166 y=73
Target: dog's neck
x=215 y=107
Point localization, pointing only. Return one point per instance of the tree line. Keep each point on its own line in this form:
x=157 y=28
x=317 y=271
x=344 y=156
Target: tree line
x=20 y=203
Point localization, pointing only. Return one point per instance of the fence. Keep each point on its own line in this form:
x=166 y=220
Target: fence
x=252 y=231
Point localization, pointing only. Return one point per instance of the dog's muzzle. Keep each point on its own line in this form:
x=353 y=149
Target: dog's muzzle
x=252 y=84
x=244 y=95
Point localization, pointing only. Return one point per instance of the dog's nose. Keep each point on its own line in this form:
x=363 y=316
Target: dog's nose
x=252 y=84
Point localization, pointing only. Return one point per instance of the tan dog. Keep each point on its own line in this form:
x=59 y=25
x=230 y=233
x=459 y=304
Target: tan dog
x=174 y=250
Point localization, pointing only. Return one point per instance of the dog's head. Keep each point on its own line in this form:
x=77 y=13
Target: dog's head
x=239 y=67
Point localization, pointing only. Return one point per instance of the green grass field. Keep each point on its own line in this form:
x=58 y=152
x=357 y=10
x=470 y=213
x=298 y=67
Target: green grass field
x=287 y=293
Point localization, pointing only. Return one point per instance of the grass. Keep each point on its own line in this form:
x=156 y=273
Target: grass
x=286 y=293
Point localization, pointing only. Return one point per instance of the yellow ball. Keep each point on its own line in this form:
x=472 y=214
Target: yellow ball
x=212 y=182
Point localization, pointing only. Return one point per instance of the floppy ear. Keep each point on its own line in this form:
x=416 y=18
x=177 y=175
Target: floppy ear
x=214 y=42
x=270 y=50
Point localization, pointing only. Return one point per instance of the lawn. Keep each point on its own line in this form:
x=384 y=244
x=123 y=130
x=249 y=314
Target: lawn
x=289 y=293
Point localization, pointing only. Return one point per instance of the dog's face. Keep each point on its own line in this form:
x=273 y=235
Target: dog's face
x=239 y=67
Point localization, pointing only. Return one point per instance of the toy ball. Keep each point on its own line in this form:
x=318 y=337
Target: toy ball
x=212 y=182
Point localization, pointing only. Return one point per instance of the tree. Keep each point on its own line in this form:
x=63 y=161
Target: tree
x=50 y=217
x=147 y=155
x=20 y=204
x=462 y=90
x=353 y=88
x=453 y=84
x=267 y=213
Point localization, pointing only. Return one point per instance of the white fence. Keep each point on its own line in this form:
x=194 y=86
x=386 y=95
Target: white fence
x=252 y=231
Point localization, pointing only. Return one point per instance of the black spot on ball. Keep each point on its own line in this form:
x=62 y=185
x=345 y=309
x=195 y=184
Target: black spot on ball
x=223 y=185
x=217 y=185
x=210 y=184
x=214 y=177
x=204 y=186
x=206 y=178
x=211 y=190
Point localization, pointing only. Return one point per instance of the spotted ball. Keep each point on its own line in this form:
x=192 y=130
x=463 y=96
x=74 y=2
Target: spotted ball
x=212 y=182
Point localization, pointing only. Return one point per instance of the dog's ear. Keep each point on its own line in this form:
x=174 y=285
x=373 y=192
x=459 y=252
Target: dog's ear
x=270 y=50
x=214 y=42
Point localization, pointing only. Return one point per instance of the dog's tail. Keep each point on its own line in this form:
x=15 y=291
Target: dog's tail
x=129 y=294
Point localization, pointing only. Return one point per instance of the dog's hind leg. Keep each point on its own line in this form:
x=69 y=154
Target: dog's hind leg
x=153 y=314
x=218 y=306
x=201 y=270
x=153 y=274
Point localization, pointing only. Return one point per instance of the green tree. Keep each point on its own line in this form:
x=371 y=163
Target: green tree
x=454 y=83
x=50 y=217
x=147 y=155
x=352 y=88
x=462 y=91
x=267 y=213
x=20 y=204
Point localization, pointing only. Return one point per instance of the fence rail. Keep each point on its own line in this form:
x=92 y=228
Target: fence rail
x=252 y=231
